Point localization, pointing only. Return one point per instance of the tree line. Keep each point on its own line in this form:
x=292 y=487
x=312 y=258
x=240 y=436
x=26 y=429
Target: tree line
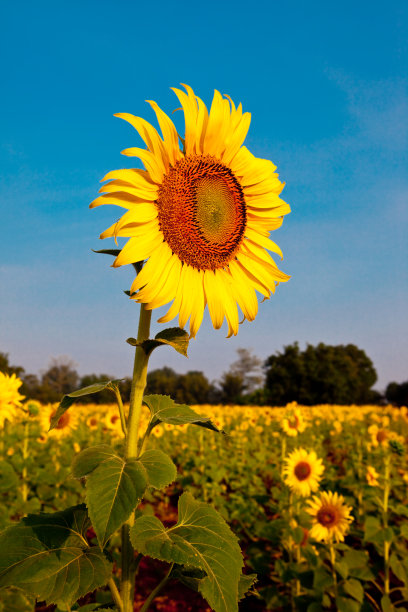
x=321 y=374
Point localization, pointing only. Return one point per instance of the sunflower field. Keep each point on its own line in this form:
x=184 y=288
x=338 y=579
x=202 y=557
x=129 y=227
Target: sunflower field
x=317 y=497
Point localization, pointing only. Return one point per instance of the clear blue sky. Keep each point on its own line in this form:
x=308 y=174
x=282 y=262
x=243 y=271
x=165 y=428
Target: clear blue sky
x=326 y=84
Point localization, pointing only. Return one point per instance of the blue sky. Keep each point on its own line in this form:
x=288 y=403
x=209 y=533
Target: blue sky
x=327 y=88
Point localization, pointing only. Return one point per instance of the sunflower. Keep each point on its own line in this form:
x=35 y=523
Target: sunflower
x=10 y=398
x=293 y=423
x=372 y=476
x=331 y=517
x=201 y=216
x=66 y=423
x=303 y=471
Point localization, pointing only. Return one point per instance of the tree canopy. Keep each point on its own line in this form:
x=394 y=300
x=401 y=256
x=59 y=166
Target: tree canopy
x=321 y=374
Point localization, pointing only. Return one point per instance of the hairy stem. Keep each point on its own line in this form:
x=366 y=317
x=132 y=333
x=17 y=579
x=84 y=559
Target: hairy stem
x=156 y=591
x=135 y=410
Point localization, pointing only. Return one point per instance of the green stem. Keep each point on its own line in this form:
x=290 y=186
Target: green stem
x=121 y=409
x=24 y=488
x=387 y=544
x=332 y=562
x=156 y=591
x=283 y=453
x=135 y=410
x=115 y=594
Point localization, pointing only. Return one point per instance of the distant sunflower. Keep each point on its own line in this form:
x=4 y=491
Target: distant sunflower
x=293 y=423
x=372 y=476
x=331 y=517
x=201 y=216
x=303 y=471
x=66 y=423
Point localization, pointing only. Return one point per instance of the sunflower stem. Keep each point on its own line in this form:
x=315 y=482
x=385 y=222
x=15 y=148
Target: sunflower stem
x=135 y=410
x=387 y=544
x=333 y=569
x=121 y=409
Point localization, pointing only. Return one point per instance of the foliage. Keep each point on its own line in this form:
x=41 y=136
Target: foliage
x=320 y=374
x=397 y=393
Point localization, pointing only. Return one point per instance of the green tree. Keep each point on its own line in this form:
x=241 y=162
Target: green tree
x=6 y=368
x=321 y=374
x=397 y=393
x=59 y=379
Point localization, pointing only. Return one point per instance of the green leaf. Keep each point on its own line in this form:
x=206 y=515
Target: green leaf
x=173 y=336
x=47 y=556
x=344 y=604
x=200 y=539
x=373 y=530
x=398 y=569
x=342 y=568
x=70 y=398
x=8 y=477
x=322 y=579
x=14 y=600
x=386 y=605
x=113 y=491
x=89 y=459
x=160 y=469
x=354 y=589
x=404 y=530
x=165 y=410
x=246 y=582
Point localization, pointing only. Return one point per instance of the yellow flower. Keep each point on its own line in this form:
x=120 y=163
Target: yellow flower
x=10 y=398
x=201 y=216
x=372 y=476
x=303 y=472
x=293 y=423
x=66 y=423
x=379 y=437
x=331 y=517
x=158 y=431
x=113 y=422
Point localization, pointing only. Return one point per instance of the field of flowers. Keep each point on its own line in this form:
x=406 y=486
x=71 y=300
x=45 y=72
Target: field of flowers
x=316 y=495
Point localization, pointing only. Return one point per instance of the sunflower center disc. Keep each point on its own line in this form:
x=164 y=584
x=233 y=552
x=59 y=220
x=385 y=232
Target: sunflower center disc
x=202 y=212
x=327 y=517
x=302 y=470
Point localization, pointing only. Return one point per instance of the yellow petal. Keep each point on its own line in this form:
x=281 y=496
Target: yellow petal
x=260 y=240
x=134 y=176
x=154 y=164
x=149 y=134
x=170 y=137
x=138 y=249
x=214 y=300
x=138 y=192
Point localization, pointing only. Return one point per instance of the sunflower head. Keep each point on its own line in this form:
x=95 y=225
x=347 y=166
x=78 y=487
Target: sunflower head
x=303 y=471
x=293 y=423
x=331 y=517
x=372 y=476
x=200 y=215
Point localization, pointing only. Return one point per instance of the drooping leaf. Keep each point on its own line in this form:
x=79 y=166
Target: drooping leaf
x=8 y=477
x=47 y=556
x=138 y=265
x=160 y=469
x=246 y=582
x=200 y=539
x=173 y=336
x=70 y=398
x=354 y=589
x=89 y=459
x=14 y=600
x=113 y=491
x=165 y=410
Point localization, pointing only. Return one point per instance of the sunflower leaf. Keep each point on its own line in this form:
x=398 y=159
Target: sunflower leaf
x=8 y=477
x=165 y=410
x=113 y=491
x=70 y=398
x=201 y=539
x=173 y=336
x=89 y=459
x=47 y=556
x=160 y=469
x=138 y=265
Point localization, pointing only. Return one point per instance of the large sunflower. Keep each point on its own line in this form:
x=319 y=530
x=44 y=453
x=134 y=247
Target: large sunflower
x=201 y=216
x=303 y=472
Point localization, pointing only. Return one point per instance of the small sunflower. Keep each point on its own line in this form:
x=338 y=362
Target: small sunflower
x=379 y=436
x=201 y=216
x=331 y=517
x=303 y=471
x=67 y=422
x=372 y=476
x=293 y=423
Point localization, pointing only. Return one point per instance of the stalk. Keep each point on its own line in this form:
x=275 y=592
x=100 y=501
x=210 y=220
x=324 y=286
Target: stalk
x=135 y=410
x=157 y=590
x=385 y=524
x=332 y=562
x=24 y=487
